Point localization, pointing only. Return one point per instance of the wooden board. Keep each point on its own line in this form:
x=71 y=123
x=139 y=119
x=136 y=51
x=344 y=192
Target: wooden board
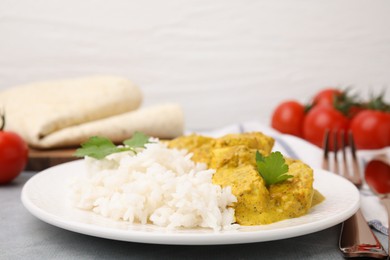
x=42 y=159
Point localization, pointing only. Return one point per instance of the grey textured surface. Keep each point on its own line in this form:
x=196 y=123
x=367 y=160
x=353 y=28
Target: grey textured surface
x=22 y=236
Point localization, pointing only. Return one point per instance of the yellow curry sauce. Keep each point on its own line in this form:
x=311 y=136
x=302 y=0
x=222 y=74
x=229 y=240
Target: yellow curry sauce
x=233 y=158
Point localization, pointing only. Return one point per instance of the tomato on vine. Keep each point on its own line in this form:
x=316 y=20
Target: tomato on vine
x=371 y=127
x=321 y=118
x=327 y=96
x=337 y=110
x=288 y=118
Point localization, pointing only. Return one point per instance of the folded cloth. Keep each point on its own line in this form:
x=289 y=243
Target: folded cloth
x=297 y=148
x=37 y=110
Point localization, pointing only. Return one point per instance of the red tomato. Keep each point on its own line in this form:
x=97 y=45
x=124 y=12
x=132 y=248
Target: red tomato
x=13 y=155
x=326 y=96
x=377 y=174
x=288 y=118
x=371 y=129
x=319 y=119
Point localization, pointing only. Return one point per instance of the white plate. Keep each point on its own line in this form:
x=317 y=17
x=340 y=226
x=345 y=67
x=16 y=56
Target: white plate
x=45 y=195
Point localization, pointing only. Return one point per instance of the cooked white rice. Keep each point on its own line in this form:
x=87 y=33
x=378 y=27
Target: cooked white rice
x=157 y=185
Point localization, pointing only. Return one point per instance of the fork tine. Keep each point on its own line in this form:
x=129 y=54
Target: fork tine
x=343 y=148
x=356 y=172
x=335 y=148
x=325 y=145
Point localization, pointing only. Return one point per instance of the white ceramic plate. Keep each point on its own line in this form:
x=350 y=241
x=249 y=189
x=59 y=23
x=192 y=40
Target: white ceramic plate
x=45 y=195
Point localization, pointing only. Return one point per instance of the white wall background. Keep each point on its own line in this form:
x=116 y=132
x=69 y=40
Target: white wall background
x=225 y=61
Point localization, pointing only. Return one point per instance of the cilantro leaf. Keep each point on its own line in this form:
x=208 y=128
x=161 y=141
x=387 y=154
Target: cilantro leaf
x=138 y=140
x=272 y=168
x=99 y=147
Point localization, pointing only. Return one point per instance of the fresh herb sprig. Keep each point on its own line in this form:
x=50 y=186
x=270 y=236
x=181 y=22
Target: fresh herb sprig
x=99 y=147
x=272 y=168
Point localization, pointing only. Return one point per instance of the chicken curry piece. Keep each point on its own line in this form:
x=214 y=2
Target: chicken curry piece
x=233 y=158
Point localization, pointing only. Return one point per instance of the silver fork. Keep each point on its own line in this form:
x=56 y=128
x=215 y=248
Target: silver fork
x=356 y=238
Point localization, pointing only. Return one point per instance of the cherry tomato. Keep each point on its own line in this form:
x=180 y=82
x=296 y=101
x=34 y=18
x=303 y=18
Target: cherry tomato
x=371 y=129
x=319 y=119
x=13 y=155
x=288 y=118
x=326 y=96
x=377 y=175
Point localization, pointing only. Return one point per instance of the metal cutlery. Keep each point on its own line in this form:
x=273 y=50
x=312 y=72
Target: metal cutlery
x=356 y=238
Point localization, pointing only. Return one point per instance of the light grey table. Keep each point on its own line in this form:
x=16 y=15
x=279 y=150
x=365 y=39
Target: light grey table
x=23 y=236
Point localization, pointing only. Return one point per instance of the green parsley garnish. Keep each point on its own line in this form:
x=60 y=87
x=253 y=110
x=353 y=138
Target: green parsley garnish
x=137 y=141
x=99 y=147
x=272 y=168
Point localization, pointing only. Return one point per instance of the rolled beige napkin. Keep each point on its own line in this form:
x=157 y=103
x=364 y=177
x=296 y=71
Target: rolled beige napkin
x=164 y=121
x=37 y=110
